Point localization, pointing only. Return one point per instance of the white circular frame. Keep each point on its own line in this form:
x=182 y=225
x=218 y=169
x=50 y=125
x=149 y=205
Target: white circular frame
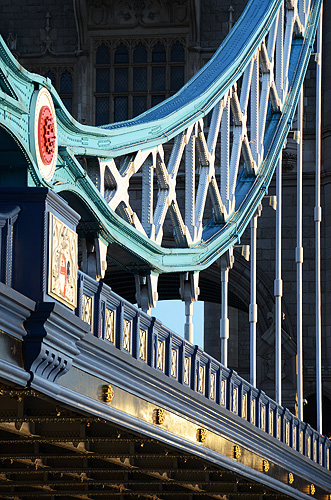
x=44 y=98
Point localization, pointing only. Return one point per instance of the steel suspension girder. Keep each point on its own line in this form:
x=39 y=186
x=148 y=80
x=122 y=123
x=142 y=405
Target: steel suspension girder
x=261 y=65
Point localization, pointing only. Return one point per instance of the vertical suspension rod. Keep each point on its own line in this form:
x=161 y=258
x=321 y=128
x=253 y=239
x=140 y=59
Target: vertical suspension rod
x=253 y=305
x=224 y=329
x=317 y=219
x=299 y=259
x=278 y=287
x=188 y=327
x=226 y=263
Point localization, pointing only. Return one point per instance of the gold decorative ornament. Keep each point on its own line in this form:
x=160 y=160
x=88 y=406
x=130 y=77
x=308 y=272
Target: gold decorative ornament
x=201 y=435
x=265 y=466
x=312 y=489
x=290 y=478
x=107 y=393
x=236 y=452
x=158 y=416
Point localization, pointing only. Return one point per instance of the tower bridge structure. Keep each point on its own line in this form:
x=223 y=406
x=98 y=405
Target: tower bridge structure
x=98 y=397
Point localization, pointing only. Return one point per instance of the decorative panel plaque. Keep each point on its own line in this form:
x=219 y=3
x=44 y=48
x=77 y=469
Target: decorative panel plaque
x=174 y=363
x=212 y=385
x=287 y=433
x=187 y=370
x=253 y=407
x=294 y=438
x=309 y=446
x=87 y=309
x=127 y=332
x=263 y=414
x=223 y=392
x=271 y=422
x=328 y=458
x=110 y=325
x=244 y=406
x=301 y=441
x=160 y=355
x=235 y=400
x=143 y=344
x=201 y=383
x=279 y=427
x=63 y=262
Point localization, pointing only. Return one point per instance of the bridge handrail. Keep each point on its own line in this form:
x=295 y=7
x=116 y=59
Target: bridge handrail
x=146 y=339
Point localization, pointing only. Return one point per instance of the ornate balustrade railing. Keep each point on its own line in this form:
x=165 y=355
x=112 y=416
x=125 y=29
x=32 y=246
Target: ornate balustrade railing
x=127 y=328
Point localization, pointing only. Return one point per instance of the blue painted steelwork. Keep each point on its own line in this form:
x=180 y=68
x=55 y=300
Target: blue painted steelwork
x=64 y=361
x=157 y=126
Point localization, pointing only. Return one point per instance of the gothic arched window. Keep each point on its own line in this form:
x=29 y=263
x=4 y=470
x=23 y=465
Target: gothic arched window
x=121 y=83
x=103 y=55
x=66 y=90
x=140 y=79
x=140 y=53
x=159 y=59
x=177 y=60
x=52 y=78
x=134 y=76
x=102 y=85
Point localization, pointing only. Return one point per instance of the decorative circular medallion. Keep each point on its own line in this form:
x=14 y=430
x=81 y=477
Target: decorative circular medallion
x=45 y=134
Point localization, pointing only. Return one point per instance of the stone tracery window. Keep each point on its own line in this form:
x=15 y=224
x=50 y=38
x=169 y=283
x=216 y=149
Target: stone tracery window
x=121 y=83
x=177 y=58
x=62 y=80
x=140 y=79
x=132 y=76
x=51 y=76
x=66 y=90
x=102 y=88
